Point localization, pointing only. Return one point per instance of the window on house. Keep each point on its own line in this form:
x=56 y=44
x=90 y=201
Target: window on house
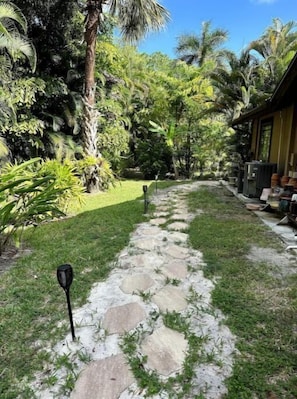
x=265 y=140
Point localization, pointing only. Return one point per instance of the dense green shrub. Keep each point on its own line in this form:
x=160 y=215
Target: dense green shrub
x=65 y=179
x=104 y=175
x=26 y=198
x=154 y=158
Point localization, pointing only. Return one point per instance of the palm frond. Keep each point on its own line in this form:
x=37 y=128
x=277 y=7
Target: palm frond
x=18 y=46
x=137 y=17
x=10 y=11
x=4 y=151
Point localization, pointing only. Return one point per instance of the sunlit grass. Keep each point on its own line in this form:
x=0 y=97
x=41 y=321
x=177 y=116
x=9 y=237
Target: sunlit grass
x=33 y=304
x=122 y=191
x=260 y=307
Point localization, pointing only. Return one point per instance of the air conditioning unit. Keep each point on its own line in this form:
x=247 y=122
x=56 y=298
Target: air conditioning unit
x=257 y=175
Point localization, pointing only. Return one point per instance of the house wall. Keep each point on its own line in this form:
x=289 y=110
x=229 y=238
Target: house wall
x=292 y=156
x=254 y=139
x=282 y=141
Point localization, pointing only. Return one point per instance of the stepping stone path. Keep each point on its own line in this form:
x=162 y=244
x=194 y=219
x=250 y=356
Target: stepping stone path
x=157 y=275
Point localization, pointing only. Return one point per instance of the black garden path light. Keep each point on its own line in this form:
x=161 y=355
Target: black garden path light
x=144 y=188
x=156 y=182
x=65 y=277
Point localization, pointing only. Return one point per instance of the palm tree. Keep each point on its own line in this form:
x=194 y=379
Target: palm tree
x=235 y=82
x=13 y=44
x=276 y=46
x=135 y=18
x=195 y=49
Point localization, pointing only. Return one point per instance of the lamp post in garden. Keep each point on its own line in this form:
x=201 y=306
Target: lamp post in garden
x=65 y=278
x=156 y=182
x=144 y=188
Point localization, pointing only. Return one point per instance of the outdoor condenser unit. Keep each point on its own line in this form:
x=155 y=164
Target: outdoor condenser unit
x=257 y=175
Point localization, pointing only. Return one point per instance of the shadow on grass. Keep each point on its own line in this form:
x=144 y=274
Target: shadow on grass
x=32 y=303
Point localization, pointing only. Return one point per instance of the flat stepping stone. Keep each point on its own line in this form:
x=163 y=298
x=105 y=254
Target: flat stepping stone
x=160 y=214
x=170 y=299
x=148 y=244
x=176 y=269
x=158 y=221
x=163 y=208
x=149 y=260
x=177 y=251
x=105 y=378
x=178 y=226
x=165 y=350
x=137 y=282
x=177 y=236
x=150 y=231
x=180 y=216
x=121 y=319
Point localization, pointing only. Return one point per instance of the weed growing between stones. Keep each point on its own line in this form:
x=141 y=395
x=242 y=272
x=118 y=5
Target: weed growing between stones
x=179 y=385
x=145 y=296
x=193 y=297
x=172 y=281
x=66 y=362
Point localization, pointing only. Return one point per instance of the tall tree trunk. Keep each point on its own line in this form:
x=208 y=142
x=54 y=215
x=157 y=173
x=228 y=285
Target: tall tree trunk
x=90 y=114
x=188 y=157
x=176 y=174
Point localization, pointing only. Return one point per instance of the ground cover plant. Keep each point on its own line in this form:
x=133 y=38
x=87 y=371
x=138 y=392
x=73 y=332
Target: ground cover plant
x=258 y=300
x=33 y=305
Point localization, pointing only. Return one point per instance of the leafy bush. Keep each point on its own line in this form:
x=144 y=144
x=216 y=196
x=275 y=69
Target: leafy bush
x=104 y=175
x=25 y=198
x=113 y=143
x=65 y=179
x=154 y=157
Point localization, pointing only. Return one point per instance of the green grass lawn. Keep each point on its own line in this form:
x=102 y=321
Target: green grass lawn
x=260 y=305
x=33 y=304
x=123 y=191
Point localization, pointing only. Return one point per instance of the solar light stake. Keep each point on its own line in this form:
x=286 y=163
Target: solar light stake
x=156 y=181
x=65 y=277
x=144 y=188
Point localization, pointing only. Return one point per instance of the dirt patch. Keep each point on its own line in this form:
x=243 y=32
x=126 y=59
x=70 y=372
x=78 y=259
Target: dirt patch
x=284 y=263
x=10 y=256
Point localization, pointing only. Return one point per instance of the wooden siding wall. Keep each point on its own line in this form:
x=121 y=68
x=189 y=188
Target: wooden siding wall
x=254 y=139
x=282 y=142
x=293 y=147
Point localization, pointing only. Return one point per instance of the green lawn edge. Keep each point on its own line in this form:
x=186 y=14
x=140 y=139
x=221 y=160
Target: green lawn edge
x=260 y=307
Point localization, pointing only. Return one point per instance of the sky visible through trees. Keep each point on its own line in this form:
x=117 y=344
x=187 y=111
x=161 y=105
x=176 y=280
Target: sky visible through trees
x=245 y=20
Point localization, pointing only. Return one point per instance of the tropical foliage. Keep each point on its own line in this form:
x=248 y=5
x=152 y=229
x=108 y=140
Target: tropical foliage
x=198 y=49
x=13 y=44
x=276 y=46
x=92 y=107
x=78 y=107
x=25 y=199
x=134 y=19
x=33 y=192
